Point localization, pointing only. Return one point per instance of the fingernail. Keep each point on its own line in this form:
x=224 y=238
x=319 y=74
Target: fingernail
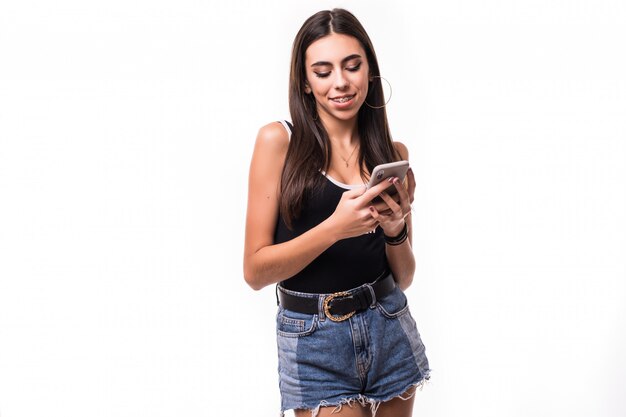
x=390 y=179
x=371 y=208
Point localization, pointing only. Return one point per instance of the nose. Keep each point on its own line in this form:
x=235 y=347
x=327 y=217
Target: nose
x=341 y=82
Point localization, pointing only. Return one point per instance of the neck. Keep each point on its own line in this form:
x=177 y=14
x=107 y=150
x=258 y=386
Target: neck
x=343 y=133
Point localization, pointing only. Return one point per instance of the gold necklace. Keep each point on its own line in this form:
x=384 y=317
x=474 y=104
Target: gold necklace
x=346 y=160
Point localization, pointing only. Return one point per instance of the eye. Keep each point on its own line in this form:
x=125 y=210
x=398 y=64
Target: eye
x=322 y=74
x=354 y=68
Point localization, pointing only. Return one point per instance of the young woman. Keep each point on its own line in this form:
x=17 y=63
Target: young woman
x=340 y=261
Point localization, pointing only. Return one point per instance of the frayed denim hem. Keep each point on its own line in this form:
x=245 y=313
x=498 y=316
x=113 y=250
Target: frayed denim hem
x=364 y=401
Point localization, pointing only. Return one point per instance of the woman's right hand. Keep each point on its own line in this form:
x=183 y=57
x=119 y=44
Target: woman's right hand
x=352 y=217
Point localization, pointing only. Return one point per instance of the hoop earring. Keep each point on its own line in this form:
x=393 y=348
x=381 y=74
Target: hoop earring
x=390 y=93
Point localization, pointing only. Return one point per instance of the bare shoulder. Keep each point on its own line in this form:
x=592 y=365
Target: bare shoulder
x=268 y=158
x=402 y=150
x=272 y=138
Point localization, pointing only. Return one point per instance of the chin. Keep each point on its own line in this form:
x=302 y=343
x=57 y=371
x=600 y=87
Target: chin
x=344 y=115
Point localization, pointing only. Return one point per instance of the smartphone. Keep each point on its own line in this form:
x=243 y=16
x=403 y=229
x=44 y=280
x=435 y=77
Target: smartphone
x=384 y=171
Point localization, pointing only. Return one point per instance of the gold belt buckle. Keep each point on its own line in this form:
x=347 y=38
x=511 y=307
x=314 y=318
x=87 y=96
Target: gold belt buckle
x=327 y=307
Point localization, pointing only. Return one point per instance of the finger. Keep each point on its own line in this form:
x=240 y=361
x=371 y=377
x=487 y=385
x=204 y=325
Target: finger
x=375 y=214
x=374 y=191
x=371 y=227
x=395 y=207
x=382 y=206
x=402 y=192
x=404 y=198
x=355 y=192
x=411 y=185
x=376 y=217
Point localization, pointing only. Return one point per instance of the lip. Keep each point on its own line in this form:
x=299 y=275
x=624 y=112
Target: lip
x=344 y=104
x=345 y=95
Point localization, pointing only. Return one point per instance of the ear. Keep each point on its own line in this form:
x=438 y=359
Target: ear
x=307 y=88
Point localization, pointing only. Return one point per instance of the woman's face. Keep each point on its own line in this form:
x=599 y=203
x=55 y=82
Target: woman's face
x=337 y=75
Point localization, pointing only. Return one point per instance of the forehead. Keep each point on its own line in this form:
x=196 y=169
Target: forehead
x=333 y=48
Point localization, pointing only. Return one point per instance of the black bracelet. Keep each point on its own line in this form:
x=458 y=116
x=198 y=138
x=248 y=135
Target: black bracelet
x=398 y=240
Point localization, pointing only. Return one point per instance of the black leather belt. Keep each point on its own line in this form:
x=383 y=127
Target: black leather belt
x=340 y=305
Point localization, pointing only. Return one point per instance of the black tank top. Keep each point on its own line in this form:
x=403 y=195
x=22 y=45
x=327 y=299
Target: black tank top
x=346 y=264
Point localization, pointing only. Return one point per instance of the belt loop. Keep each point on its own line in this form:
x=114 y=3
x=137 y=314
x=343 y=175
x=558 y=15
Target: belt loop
x=277 y=301
x=320 y=307
x=369 y=287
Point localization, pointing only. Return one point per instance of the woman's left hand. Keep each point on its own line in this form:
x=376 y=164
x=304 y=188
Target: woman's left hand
x=383 y=207
x=392 y=220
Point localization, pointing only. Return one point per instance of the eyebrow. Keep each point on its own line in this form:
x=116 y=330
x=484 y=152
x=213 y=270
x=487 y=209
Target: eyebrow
x=348 y=58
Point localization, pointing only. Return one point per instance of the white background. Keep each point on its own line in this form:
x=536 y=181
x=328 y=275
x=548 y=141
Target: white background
x=126 y=130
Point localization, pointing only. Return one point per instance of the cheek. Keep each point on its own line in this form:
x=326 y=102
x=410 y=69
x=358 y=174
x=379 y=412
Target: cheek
x=364 y=88
x=320 y=87
x=361 y=82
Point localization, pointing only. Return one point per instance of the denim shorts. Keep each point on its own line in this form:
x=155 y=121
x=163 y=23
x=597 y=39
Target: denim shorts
x=372 y=357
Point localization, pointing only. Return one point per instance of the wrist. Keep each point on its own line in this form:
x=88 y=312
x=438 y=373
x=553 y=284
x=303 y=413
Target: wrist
x=399 y=237
x=395 y=231
x=330 y=231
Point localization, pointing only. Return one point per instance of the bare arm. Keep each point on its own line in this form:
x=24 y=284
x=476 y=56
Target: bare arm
x=401 y=260
x=400 y=257
x=266 y=263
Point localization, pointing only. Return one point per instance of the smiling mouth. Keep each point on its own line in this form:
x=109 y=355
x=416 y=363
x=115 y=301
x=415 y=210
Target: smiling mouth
x=343 y=99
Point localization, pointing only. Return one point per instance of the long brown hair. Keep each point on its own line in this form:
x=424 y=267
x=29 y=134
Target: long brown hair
x=309 y=149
